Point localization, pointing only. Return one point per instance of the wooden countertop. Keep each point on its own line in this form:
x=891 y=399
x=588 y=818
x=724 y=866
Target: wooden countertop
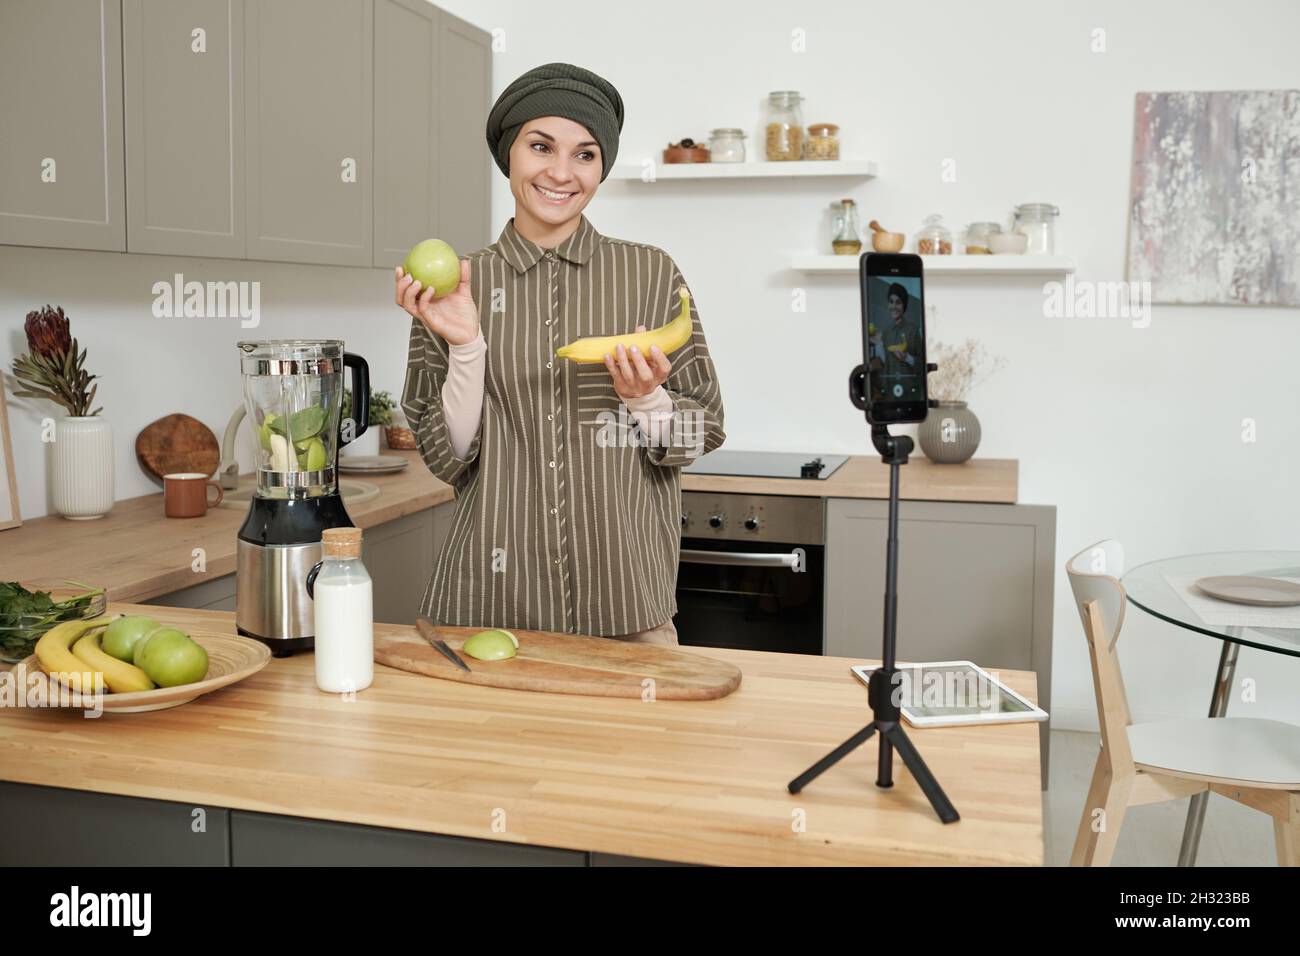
x=697 y=782
x=994 y=480
x=137 y=552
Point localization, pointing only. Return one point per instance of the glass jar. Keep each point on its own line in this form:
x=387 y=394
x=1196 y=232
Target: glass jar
x=934 y=239
x=823 y=142
x=1037 y=220
x=845 y=230
x=977 y=237
x=784 y=126
x=727 y=145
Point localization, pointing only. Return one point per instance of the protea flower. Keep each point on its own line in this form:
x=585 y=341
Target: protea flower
x=48 y=333
x=54 y=369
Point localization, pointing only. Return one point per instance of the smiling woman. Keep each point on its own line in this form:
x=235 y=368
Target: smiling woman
x=567 y=477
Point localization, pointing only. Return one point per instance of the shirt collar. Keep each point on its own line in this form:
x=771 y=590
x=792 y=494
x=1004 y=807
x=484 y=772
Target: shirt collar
x=523 y=253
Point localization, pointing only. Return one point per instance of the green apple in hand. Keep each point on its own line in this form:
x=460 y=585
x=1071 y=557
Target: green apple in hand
x=434 y=263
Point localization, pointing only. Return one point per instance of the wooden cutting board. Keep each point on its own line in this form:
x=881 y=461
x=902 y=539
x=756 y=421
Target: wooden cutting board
x=567 y=664
x=177 y=443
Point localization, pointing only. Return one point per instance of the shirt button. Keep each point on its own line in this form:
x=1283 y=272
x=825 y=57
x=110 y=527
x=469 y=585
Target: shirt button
x=550 y=418
x=550 y=255
x=554 y=511
x=552 y=464
x=548 y=364
x=548 y=321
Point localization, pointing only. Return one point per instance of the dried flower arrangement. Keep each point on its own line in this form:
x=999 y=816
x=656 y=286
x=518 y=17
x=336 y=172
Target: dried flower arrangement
x=960 y=368
x=54 y=368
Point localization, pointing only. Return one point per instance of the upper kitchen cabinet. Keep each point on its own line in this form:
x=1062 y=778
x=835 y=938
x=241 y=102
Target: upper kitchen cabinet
x=464 y=101
x=184 y=87
x=309 y=110
x=61 y=177
x=433 y=83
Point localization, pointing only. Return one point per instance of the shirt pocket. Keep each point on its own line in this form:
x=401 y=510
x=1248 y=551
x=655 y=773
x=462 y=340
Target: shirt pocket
x=598 y=402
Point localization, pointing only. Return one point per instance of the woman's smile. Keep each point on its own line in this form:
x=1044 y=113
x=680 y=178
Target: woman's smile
x=554 y=197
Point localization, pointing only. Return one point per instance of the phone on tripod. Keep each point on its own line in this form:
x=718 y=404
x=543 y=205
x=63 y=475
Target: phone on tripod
x=893 y=337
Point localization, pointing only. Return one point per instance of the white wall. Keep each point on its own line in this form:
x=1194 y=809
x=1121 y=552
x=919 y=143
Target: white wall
x=1133 y=433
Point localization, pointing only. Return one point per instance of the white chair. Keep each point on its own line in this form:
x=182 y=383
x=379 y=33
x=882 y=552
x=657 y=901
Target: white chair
x=1252 y=761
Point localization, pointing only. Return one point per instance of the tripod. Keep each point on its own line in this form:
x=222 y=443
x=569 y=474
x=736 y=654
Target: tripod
x=894 y=450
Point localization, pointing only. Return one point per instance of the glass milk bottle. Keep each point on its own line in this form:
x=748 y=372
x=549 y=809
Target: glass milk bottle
x=344 y=609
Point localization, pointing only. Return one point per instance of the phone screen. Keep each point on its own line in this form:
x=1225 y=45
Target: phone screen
x=895 y=342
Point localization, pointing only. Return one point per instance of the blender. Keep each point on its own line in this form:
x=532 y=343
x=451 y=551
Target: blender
x=293 y=393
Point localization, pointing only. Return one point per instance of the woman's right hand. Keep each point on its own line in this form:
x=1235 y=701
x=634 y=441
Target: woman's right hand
x=454 y=316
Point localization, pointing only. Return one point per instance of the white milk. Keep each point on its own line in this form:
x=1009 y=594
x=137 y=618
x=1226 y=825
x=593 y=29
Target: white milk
x=345 y=637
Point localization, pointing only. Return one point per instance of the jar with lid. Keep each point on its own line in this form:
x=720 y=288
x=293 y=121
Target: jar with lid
x=845 y=230
x=727 y=144
x=1037 y=220
x=784 y=126
x=934 y=239
x=823 y=142
x=977 y=237
x=343 y=595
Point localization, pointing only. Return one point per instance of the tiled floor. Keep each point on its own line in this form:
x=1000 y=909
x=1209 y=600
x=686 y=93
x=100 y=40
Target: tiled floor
x=1234 y=835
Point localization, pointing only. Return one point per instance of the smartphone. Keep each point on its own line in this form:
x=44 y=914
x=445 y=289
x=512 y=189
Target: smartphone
x=893 y=337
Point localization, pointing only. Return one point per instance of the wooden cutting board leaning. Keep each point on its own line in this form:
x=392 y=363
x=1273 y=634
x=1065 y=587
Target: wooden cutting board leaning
x=177 y=443
x=567 y=664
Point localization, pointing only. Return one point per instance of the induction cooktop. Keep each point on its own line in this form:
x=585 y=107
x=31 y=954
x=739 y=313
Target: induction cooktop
x=767 y=464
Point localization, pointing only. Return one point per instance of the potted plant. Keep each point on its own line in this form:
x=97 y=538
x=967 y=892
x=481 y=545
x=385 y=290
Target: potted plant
x=54 y=369
x=381 y=415
x=951 y=432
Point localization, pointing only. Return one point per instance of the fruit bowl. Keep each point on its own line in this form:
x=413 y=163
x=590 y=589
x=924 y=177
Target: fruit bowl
x=20 y=631
x=231 y=658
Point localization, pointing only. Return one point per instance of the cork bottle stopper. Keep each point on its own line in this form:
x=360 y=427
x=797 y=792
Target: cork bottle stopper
x=341 y=543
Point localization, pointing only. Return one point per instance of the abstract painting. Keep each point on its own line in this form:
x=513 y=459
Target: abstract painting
x=1214 y=213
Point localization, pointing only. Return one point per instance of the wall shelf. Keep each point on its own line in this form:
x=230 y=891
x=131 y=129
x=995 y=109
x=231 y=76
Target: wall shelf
x=947 y=265
x=854 y=168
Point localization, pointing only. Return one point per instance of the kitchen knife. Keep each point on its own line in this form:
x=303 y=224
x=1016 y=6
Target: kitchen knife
x=428 y=631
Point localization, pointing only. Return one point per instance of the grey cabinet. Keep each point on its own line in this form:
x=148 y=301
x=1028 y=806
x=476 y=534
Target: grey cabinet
x=975 y=582
x=183 y=77
x=54 y=826
x=309 y=121
x=433 y=83
x=61 y=178
x=464 y=101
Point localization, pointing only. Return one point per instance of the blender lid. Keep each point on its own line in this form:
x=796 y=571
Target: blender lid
x=292 y=357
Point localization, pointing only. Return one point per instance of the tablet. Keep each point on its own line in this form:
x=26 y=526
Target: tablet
x=946 y=693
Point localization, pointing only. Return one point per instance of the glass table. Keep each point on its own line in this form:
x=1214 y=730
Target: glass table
x=1149 y=589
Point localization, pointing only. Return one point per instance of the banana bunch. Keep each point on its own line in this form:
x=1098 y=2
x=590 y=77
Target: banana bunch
x=73 y=648
x=670 y=337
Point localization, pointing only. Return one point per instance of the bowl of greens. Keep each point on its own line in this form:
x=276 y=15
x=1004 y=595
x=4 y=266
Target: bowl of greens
x=27 y=612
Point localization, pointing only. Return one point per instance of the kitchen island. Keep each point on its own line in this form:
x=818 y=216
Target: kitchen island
x=416 y=769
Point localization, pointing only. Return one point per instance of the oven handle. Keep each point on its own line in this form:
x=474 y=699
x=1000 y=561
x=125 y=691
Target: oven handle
x=795 y=560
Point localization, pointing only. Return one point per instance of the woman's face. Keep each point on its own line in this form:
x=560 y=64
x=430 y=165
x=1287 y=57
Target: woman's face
x=895 y=307
x=555 y=167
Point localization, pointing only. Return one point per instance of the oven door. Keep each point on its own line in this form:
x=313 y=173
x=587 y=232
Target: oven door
x=750 y=595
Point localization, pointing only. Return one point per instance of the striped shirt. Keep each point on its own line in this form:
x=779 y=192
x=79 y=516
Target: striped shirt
x=568 y=515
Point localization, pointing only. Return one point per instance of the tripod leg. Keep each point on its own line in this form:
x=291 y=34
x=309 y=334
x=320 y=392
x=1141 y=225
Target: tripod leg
x=832 y=758
x=885 y=762
x=929 y=786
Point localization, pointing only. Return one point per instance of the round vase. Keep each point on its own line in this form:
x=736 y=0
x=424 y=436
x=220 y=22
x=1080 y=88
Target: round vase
x=950 y=433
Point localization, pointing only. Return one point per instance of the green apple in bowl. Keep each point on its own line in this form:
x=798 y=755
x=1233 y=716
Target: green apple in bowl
x=171 y=657
x=122 y=635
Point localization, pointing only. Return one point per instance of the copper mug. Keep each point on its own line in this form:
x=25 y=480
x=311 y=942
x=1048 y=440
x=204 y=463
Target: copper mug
x=185 y=495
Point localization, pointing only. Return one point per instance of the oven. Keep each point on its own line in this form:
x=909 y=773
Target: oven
x=752 y=572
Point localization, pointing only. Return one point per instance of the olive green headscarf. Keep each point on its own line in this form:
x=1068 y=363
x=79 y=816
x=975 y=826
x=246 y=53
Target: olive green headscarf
x=557 y=89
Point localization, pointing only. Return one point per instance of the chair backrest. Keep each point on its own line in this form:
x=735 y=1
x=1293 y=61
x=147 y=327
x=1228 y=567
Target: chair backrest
x=1094 y=578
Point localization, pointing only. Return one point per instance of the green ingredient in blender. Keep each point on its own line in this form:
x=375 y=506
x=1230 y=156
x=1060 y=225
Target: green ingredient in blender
x=302 y=424
x=312 y=457
x=264 y=433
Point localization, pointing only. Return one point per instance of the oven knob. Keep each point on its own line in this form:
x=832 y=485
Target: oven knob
x=715 y=521
x=751 y=523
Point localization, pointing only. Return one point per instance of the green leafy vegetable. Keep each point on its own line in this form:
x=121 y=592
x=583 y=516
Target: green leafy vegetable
x=26 y=615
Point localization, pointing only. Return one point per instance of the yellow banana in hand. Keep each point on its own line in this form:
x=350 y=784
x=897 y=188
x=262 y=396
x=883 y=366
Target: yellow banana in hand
x=57 y=660
x=121 y=677
x=593 y=349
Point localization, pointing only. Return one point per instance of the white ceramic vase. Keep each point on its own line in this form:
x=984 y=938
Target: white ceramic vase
x=83 y=467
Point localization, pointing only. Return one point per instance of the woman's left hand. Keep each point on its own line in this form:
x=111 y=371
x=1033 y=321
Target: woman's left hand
x=633 y=375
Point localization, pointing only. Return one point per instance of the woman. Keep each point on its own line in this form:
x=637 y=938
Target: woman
x=567 y=518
